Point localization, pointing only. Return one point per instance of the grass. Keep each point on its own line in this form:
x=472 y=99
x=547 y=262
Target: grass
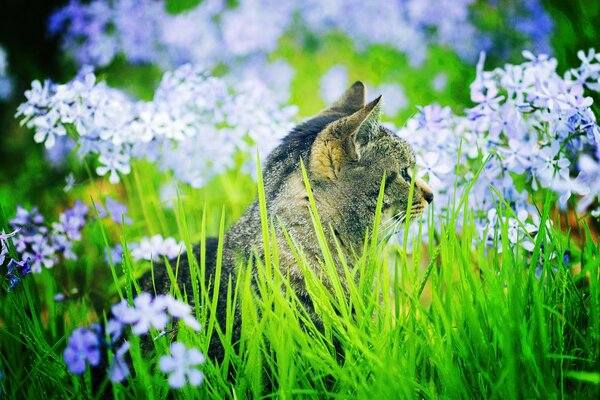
x=447 y=319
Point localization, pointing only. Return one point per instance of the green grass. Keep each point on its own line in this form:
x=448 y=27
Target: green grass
x=444 y=320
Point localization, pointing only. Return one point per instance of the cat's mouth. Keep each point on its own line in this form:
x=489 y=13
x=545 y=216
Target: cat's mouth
x=393 y=222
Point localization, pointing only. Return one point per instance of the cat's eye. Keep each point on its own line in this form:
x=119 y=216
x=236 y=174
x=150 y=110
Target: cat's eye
x=405 y=175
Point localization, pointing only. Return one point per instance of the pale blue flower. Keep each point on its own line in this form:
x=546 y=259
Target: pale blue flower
x=181 y=365
x=148 y=312
x=118 y=369
x=117 y=211
x=145 y=313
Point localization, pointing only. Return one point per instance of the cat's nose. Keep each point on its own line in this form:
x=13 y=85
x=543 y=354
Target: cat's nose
x=428 y=196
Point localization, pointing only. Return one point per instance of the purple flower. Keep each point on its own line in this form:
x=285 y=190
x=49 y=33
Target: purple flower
x=41 y=253
x=23 y=266
x=26 y=219
x=181 y=366
x=13 y=281
x=83 y=346
x=517 y=155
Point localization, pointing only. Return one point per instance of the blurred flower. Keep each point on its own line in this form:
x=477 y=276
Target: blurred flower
x=147 y=312
x=155 y=247
x=118 y=369
x=439 y=82
x=69 y=182
x=181 y=365
x=333 y=83
x=117 y=211
x=6 y=85
x=83 y=346
x=41 y=253
x=182 y=311
x=216 y=32
x=193 y=116
x=394 y=98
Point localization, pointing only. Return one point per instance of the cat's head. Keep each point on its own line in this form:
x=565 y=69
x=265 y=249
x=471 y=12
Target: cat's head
x=355 y=150
x=346 y=152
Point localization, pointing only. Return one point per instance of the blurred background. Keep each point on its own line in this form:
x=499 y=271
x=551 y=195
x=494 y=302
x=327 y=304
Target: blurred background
x=413 y=52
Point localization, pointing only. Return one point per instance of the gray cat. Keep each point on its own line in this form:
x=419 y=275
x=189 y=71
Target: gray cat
x=346 y=153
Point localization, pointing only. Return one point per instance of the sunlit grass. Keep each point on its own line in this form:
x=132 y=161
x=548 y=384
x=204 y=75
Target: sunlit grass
x=451 y=318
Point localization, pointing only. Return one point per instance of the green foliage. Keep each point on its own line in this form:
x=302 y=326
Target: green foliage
x=447 y=320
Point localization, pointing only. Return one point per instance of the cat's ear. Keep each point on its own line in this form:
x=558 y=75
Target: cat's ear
x=363 y=123
x=350 y=102
x=341 y=141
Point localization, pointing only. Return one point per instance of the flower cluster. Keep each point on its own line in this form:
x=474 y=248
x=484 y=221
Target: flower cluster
x=531 y=128
x=42 y=245
x=146 y=312
x=215 y=32
x=5 y=81
x=194 y=127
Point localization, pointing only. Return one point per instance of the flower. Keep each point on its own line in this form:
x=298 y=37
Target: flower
x=155 y=247
x=83 y=346
x=69 y=182
x=193 y=116
x=180 y=365
x=13 y=281
x=180 y=310
x=23 y=266
x=145 y=313
x=118 y=369
x=117 y=211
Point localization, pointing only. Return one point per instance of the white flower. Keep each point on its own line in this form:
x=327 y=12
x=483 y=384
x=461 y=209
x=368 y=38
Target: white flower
x=155 y=247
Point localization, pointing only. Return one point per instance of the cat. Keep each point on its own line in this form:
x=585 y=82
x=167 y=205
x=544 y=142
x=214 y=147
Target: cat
x=346 y=153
